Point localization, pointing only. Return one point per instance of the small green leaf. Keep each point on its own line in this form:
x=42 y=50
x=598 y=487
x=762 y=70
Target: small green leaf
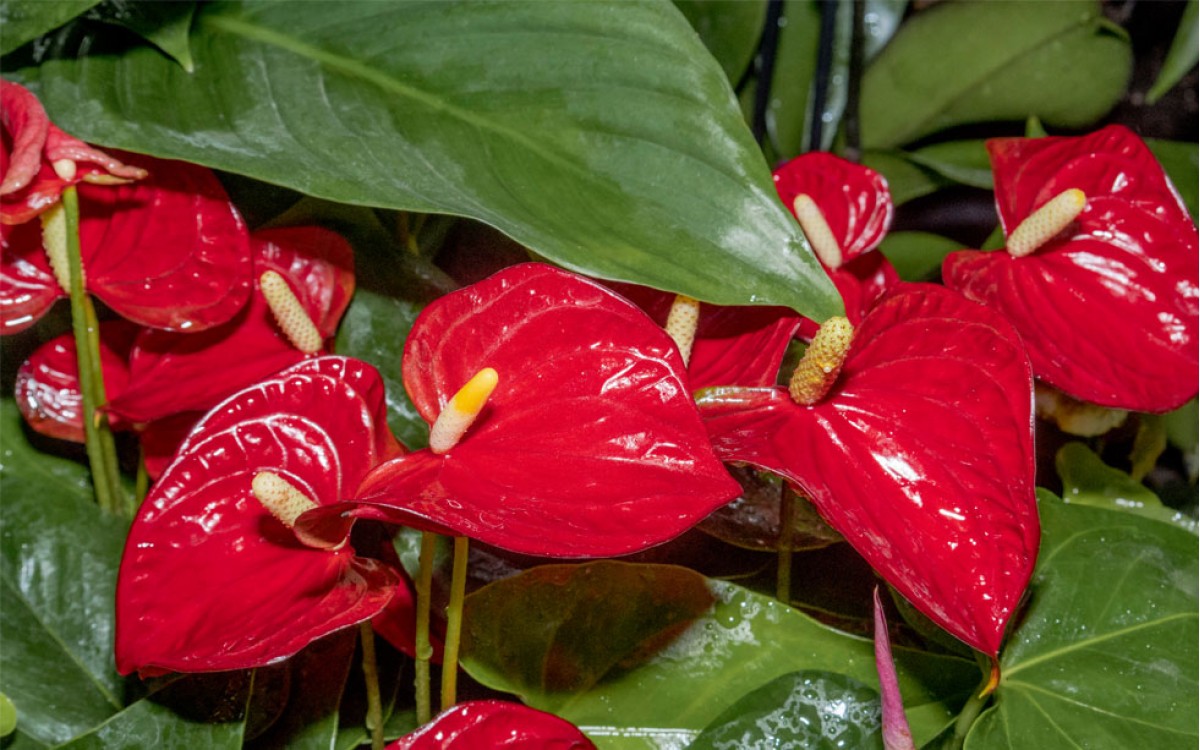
x=1087 y=480
x=1060 y=61
x=741 y=642
x=964 y=162
x=918 y=256
x=730 y=29
x=165 y=25
x=905 y=179
x=1183 y=426
x=601 y=135
x=1148 y=445
x=26 y=20
x=1105 y=654
x=1181 y=162
x=813 y=710
x=1181 y=57
x=791 y=85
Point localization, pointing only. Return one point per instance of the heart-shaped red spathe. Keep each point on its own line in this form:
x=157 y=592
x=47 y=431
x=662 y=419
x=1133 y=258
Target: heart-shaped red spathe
x=921 y=455
x=474 y=725
x=590 y=446
x=733 y=346
x=1108 y=315
x=854 y=199
x=1111 y=162
x=173 y=372
x=27 y=285
x=210 y=580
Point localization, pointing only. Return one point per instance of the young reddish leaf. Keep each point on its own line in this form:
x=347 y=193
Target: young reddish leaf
x=494 y=724
x=174 y=372
x=1109 y=307
x=921 y=455
x=896 y=734
x=734 y=345
x=210 y=579
x=590 y=445
x=47 y=388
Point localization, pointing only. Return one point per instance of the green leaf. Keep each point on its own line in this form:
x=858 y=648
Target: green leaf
x=1148 y=445
x=1183 y=427
x=317 y=679
x=965 y=162
x=739 y=644
x=58 y=568
x=905 y=179
x=813 y=710
x=601 y=135
x=1087 y=480
x=918 y=256
x=1181 y=57
x=1105 y=654
x=8 y=716
x=730 y=29
x=791 y=84
x=1181 y=162
x=165 y=25
x=26 y=20
x=958 y=63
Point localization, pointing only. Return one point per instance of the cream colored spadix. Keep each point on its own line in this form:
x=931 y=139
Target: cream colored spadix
x=65 y=169
x=682 y=322
x=460 y=412
x=817 y=231
x=54 y=239
x=280 y=497
x=822 y=362
x=1041 y=225
x=289 y=313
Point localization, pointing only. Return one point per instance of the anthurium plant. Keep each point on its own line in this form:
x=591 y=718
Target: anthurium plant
x=609 y=375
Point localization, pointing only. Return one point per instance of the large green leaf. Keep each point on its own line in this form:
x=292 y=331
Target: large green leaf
x=1181 y=162
x=730 y=29
x=958 y=63
x=58 y=568
x=165 y=25
x=740 y=643
x=602 y=135
x=26 y=20
x=1087 y=480
x=1105 y=655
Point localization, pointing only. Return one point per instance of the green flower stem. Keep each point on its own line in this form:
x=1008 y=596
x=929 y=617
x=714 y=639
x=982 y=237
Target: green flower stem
x=970 y=712
x=101 y=448
x=423 y=647
x=787 y=520
x=454 y=618
x=371 y=677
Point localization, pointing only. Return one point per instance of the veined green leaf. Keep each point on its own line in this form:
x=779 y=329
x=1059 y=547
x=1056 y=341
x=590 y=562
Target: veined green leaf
x=602 y=135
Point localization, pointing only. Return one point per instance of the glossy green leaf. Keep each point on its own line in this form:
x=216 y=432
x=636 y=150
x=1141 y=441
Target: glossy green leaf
x=165 y=25
x=917 y=256
x=812 y=710
x=58 y=567
x=965 y=162
x=601 y=135
x=1181 y=57
x=1087 y=480
x=1105 y=655
x=730 y=29
x=1060 y=61
x=905 y=179
x=742 y=642
x=1181 y=162
x=26 y=20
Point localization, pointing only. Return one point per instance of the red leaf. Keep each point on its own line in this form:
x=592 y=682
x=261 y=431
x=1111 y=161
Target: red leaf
x=854 y=199
x=210 y=580
x=174 y=372
x=921 y=455
x=47 y=388
x=1108 y=309
x=494 y=724
x=168 y=252
x=589 y=446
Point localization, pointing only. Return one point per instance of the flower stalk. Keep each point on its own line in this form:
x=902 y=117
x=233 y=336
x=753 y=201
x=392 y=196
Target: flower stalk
x=424 y=649
x=371 y=677
x=454 y=620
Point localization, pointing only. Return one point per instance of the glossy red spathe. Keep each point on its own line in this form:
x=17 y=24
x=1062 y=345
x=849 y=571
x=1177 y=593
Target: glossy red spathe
x=921 y=455
x=590 y=445
x=210 y=580
x=1109 y=308
x=475 y=725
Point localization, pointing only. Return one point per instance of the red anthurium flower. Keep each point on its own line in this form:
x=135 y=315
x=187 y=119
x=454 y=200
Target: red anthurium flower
x=845 y=210
x=494 y=724
x=167 y=252
x=212 y=577
x=732 y=345
x=920 y=453
x=37 y=160
x=1100 y=276
x=586 y=443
